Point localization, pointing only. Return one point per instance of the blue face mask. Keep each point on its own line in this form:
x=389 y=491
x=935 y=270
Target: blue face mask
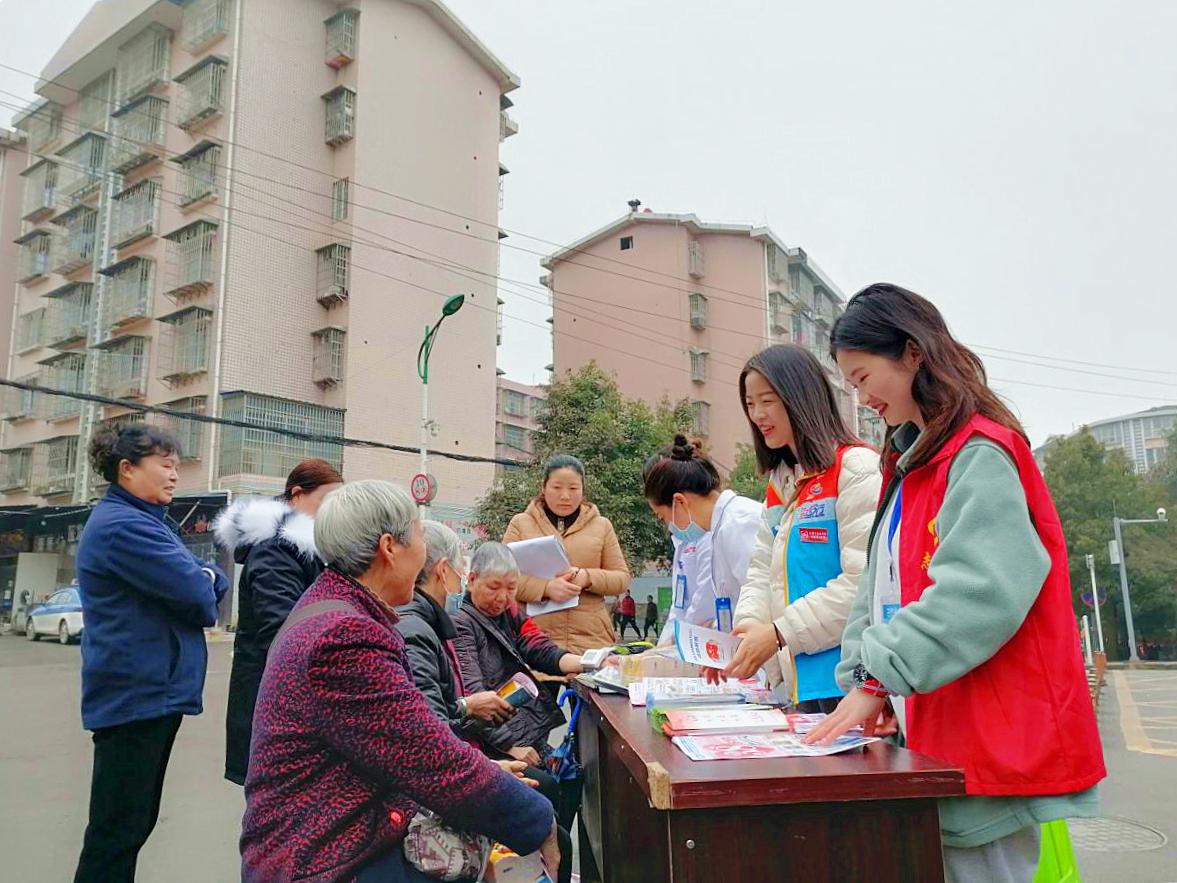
x=453 y=603
x=692 y=533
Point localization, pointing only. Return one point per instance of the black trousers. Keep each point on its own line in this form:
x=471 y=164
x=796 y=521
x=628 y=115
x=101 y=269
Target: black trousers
x=629 y=621
x=649 y=624
x=130 y=761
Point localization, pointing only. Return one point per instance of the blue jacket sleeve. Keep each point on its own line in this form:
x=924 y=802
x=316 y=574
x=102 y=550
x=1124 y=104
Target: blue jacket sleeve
x=153 y=562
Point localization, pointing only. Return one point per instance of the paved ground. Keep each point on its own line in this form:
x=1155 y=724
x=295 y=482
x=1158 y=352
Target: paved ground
x=45 y=769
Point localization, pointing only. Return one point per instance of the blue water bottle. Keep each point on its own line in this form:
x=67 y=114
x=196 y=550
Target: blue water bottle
x=723 y=614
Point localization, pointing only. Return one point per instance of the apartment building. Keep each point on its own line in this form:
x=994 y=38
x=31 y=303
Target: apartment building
x=517 y=419
x=231 y=207
x=673 y=307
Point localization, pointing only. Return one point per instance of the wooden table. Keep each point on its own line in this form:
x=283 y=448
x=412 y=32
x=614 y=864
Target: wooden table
x=652 y=814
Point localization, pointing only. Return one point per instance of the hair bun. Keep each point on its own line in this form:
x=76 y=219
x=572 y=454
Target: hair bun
x=682 y=448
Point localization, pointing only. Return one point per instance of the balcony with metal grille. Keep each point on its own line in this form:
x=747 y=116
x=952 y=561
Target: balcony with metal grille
x=340 y=108
x=21 y=404
x=69 y=314
x=328 y=363
x=40 y=196
x=695 y=259
x=30 y=331
x=55 y=466
x=135 y=213
x=341 y=37
x=129 y=296
x=143 y=63
x=138 y=134
x=190 y=433
x=698 y=366
x=184 y=344
x=698 y=304
x=66 y=372
x=202 y=92
x=77 y=240
x=33 y=261
x=82 y=165
x=334 y=276
x=15 y=468
x=42 y=123
x=200 y=174
x=205 y=22
x=191 y=260
x=779 y=314
x=701 y=418
x=122 y=367
x=94 y=103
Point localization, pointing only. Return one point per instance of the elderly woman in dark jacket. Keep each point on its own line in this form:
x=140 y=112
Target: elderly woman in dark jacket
x=275 y=541
x=346 y=750
x=496 y=641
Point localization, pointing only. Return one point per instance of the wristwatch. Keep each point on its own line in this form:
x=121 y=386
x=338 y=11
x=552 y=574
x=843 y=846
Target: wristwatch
x=868 y=683
x=463 y=711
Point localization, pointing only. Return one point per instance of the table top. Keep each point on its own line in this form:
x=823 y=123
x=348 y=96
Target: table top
x=671 y=780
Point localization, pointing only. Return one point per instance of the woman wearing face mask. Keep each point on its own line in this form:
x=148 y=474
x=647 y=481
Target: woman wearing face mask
x=811 y=548
x=714 y=534
x=598 y=567
x=964 y=619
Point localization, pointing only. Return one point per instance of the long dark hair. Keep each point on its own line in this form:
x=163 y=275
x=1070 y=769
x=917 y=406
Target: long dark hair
x=681 y=468
x=818 y=427
x=950 y=385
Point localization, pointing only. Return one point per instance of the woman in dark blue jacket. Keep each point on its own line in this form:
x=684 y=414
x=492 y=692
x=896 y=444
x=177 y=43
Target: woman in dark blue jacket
x=274 y=540
x=146 y=601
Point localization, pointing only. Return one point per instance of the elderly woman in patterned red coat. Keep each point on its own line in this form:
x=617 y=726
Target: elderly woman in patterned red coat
x=346 y=750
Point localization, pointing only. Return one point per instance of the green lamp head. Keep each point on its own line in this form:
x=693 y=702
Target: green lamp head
x=453 y=304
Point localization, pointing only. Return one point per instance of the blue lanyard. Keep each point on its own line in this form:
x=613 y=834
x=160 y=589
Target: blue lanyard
x=893 y=527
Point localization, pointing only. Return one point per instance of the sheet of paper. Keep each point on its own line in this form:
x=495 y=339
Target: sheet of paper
x=706 y=647
x=680 y=688
x=757 y=746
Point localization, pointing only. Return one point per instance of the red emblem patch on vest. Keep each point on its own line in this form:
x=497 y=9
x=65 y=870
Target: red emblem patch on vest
x=814 y=534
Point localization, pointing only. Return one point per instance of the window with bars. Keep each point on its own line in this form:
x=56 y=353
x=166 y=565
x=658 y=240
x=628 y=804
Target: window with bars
x=15 y=468
x=778 y=312
x=695 y=259
x=340 y=199
x=700 y=418
x=69 y=313
x=135 y=213
x=54 y=466
x=190 y=433
x=128 y=297
x=202 y=91
x=42 y=125
x=698 y=304
x=95 y=103
x=200 y=173
x=65 y=372
x=137 y=133
x=191 y=252
x=341 y=37
x=122 y=367
x=800 y=330
x=20 y=404
x=327 y=365
x=83 y=162
x=776 y=261
x=30 y=330
x=205 y=21
x=334 y=276
x=40 y=196
x=143 y=62
x=698 y=366
x=340 y=106
x=515 y=437
x=514 y=403
x=186 y=344
x=258 y=452
x=35 y=248
x=77 y=240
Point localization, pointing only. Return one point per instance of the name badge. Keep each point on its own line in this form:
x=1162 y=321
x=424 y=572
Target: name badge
x=814 y=534
x=680 y=591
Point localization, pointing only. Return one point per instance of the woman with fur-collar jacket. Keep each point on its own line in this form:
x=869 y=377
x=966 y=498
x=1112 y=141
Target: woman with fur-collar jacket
x=274 y=540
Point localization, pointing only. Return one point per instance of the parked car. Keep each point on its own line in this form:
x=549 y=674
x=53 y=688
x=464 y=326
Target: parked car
x=61 y=615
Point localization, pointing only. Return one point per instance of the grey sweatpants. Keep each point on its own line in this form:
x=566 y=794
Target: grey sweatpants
x=1012 y=859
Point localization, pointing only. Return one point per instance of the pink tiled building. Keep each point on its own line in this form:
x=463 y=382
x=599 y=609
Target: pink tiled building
x=673 y=306
x=234 y=208
x=517 y=419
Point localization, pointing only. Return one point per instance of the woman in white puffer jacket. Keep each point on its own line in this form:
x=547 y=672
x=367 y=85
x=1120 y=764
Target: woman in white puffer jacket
x=811 y=549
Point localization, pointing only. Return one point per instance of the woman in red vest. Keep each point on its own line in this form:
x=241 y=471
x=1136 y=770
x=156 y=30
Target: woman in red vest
x=963 y=619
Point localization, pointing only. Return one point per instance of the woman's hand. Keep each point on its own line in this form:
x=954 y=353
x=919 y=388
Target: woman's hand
x=561 y=588
x=758 y=646
x=490 y=707
x=524 y=753
x=857 y=707
x=516 y=768
x=580 y=577
x=550 y=853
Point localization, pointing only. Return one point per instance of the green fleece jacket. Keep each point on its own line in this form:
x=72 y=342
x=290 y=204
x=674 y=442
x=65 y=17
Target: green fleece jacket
x=986 y=574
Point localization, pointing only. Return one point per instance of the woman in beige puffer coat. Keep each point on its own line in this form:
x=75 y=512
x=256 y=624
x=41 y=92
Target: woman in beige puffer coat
x=598 y=566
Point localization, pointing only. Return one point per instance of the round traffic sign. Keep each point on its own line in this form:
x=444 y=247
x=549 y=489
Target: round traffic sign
x=423 y=487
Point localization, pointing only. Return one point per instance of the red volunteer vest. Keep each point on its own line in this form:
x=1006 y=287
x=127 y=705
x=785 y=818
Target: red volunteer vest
x=1021 y=723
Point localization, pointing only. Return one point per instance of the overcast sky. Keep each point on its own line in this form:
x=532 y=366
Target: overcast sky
x=1014 y=162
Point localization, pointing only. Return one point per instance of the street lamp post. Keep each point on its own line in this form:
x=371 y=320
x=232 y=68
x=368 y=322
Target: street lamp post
x=1095 y=603
x=451 y=306
x=1162 y=518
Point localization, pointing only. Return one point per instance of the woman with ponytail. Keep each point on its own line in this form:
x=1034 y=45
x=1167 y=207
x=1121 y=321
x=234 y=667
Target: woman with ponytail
x=713 y=531
x=963 y=622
